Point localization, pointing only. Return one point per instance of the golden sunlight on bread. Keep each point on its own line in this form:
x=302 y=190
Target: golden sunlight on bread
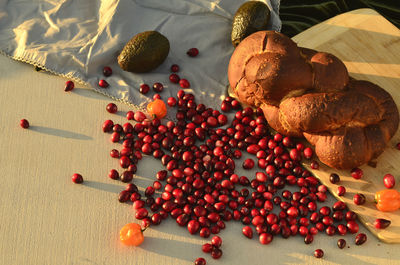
x=306 y=93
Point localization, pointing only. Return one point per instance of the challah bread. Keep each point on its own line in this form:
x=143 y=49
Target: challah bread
x=303 y=92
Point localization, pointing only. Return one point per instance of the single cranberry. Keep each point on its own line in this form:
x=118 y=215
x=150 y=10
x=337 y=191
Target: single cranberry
x=334 y=178
x=341 y=243
x=339 y=206
x=174 y=78
x=184 y=83
x=141 y=213
x=144 y=88
x=112 y=108
x=103 y=83
x=314 y=165
x=352 y=226
x=341 y=190
x=308 y=153
x=113 y=174
x=193 y=226
x=265 y=238
x=200 y=261
x=108 y=125
x=360 y=239
x=126 y=176
x=107 y=71
x=77 y=178
x=356 y=173
x=389 y=181
x=381 y=223
x=24 y=123
x=247 y=231
x=174 y=68
x=359 y=199
x=69 y=85
x=248 y=163
x=207 y=247
x=308 y=239
x=342 y=229
x=350 y=216
x=158 y=87
x=124 y=196
x=192 y=52
x=156 y=219
x=216 y=253
x=318 y=253
x=216 y=241
x=398 y=146
x=171 y=101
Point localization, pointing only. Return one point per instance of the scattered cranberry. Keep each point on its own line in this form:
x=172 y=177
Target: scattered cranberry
x=318 y=253
x=139 y=116
x=108 y=125
x=69 y=85
x=248 y=163
x=341 y=243
x=103 y=83
x=381 y=223
x=398 y=146
x=360 y=239
x=114 y=153
x=216 y=241
x=341 y=190
x=77 y=178
x=107 y=71
x=115 y=137
x=113 y=174
x=111 y=108
x=247 y=231
x=308 y=153
x=171 y=101
x=265 y=238
x=158 y=87
x=144 y=88
x=126 y=176
x=200 y=261
x=216 y=253
x=334 y=178
x=24 y=123
x=184 y=83
x=308 y=239
x=207 y=248
x=356 y=173
x=359 y=199
x=389 y=181
x=174 y=78
x=174 y=68
x=314 y=165
x=352 y=227
x=192 y=52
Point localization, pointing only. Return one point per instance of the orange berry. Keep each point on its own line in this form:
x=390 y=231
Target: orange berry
x=157 y=108
x=131 y=234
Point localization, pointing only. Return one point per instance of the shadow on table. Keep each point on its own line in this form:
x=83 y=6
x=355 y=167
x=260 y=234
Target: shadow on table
x=60 y=133
x=170 y=248
x=103 y=186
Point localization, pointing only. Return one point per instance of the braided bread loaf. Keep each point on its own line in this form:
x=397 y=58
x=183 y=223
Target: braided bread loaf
x=307 y=93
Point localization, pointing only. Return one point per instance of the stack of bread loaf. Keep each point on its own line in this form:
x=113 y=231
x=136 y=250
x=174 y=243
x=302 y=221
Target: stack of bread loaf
x=306 y=93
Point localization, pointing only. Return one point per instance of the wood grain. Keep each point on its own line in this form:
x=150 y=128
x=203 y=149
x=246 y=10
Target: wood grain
x=369 y=45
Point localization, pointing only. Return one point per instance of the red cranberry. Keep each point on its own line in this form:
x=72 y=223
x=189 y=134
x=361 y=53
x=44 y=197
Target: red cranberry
x=339 y=206
x=103 y=83
x=216 y=253
x=126 y=176
x=334 y=178
x=124 y=196
x=352 y=227
x=114 y=153
x=184 y=83
x=193 y=226
x=308 y=239
x=248 y=163
x=342 y=229
x=69 y=85
x=359 y=199
x=107 y=71
x=174 y=68
x=77 y=178
x=108 y=125
x=308 y=153
x=314 y=165
x=24 y=123
x=200 y=261
x=341 y=190
x=381 y=223
x=144 y=88
x=247 y=231
x=360 y=239
x=318 y=253
x=171 y=101
x=216 y=241
x=141 y=213
x=389 y=181
x=398 y=146
x=158 y=87
x=350 y=216
x=113 y=174
x=356 y=173
x=265 y=238
x=112 y=108
x=341 y=243
x=192 y=52
x=174 y=78
x=207 y=248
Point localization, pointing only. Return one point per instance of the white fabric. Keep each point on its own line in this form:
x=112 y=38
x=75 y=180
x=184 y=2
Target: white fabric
x=76 y=38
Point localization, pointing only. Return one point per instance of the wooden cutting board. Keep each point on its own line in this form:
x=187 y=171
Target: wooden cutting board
x=369 y=45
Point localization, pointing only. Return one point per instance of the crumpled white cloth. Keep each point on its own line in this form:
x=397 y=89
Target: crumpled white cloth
x=77 y=38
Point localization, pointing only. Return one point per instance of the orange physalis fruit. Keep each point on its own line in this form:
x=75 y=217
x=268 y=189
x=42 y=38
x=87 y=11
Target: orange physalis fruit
x=131 y=234
x=157 y=108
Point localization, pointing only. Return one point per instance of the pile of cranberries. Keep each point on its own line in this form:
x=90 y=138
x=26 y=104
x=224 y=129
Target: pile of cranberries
x=199 y=188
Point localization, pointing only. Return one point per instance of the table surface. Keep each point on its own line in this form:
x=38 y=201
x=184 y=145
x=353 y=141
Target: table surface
x=46 y=219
